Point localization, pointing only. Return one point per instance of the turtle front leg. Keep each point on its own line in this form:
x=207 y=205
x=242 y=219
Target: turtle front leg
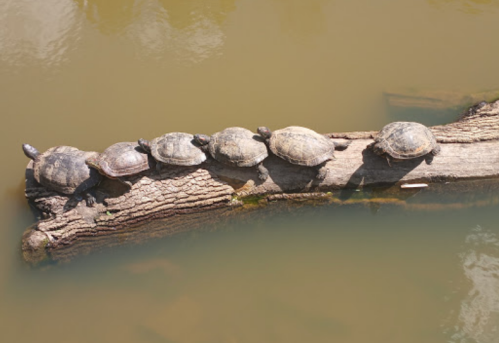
x=89 y=198
x=429 y=158
x=436 y=151
x=322 y=171
x=263 y=173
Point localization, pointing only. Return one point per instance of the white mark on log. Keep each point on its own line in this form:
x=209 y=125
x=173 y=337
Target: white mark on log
x=414 y=185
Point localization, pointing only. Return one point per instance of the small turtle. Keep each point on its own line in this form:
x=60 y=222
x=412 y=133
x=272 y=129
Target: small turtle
x=405 y=140
x=302 y=146
x=238 y=147
x=121 y=159
x=174 y=148
x=63 y=170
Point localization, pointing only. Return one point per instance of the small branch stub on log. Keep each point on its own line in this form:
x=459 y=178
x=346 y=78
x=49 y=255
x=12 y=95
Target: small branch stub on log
x=200 y=194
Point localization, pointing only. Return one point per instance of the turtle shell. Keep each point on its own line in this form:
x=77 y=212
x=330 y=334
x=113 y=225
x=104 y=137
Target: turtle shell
x=63 y=169
x=301 y=146
x=405 y=140
x=237 y=147
x=123 y=159
x=177 y=148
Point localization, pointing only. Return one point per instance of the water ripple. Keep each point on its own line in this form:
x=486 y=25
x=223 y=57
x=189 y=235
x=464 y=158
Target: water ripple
x=38 y=31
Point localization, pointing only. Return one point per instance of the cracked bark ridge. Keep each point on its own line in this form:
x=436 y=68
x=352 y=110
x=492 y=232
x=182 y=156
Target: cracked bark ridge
x=469 y=151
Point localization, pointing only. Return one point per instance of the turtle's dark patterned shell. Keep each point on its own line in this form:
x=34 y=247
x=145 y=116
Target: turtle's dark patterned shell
x=63 y=169
x=237 y=147
x=177 y=148
x=405 y=140
x=123 y=159
x=301 y=146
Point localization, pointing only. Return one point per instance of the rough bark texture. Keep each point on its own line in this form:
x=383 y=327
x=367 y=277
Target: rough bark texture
x=192 y=196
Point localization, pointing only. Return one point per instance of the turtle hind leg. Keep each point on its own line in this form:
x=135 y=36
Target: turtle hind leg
x=389 y=160
x=263 y=173
x=126 y=183
x=322 y=171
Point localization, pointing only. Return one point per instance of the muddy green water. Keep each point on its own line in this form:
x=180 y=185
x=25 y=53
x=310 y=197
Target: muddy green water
x=89 y=73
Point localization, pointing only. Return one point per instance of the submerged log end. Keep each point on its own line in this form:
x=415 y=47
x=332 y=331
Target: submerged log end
x=34 y=244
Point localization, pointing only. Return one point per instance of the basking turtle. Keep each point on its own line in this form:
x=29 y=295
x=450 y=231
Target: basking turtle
x=405 y=140
x=302 y=146
x=121 y=159
x=63 y=170
x=236 y=146
x=174 y=148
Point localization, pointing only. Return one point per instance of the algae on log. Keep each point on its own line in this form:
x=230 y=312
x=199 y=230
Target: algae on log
x=192 y=196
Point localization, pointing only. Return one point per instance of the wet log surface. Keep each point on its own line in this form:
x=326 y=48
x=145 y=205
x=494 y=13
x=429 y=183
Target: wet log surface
x=184 y=198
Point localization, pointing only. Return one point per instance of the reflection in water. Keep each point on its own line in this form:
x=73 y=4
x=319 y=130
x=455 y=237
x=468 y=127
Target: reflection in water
x=40 y=30
x=479 y=313
x=163 y=265
x=190 y=29
x=302 y=19
x=109 y=16
x=183 y=320
x=467 y=6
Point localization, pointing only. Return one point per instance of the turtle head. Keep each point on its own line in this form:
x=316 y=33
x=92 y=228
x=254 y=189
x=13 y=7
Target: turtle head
x=201 y=139
x=30 y=151
x=264 y=132
x=145 y=145
x=93 y=162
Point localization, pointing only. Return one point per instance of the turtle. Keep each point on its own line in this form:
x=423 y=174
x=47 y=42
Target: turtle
x=176 y=148
x=302 y=146
x=238 y=147
x=121 y=159
x=404 y=141
x=63 y=169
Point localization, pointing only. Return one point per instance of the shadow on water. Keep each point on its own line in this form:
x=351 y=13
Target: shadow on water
x=374 y=166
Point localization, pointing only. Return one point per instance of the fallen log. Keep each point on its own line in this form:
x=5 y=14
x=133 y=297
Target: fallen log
x=190 y=197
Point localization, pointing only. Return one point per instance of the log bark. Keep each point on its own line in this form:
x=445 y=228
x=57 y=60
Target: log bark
x=190 y=197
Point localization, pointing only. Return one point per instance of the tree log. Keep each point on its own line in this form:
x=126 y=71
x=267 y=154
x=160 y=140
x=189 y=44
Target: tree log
x=191 y=197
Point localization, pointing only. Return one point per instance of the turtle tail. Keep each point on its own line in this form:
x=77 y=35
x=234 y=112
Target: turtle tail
x=30 y=151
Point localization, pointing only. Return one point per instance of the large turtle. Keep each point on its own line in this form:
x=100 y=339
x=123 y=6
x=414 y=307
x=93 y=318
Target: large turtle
x=405 y=140
x=302 y=146
x=63 y=170
x=176 y=148
x=121 y=159
x=236 y=146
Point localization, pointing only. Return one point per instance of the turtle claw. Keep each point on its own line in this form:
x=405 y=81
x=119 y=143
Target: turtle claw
x=429 y=159
x=263 y=173
x=90 y=200
x=389 y=161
